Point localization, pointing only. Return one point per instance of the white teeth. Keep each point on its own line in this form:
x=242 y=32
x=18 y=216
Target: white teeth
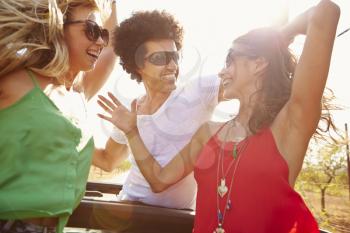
x=93 y=53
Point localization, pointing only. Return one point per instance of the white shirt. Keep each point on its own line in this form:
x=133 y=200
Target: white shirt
x=165 y=133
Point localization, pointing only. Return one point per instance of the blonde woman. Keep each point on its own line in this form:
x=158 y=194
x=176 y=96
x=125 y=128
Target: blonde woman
x=55 y=55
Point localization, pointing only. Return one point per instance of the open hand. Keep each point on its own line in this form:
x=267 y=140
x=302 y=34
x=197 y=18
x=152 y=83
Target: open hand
x=119 y=115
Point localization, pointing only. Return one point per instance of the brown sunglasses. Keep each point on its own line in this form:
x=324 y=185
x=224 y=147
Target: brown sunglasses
x=93 y=31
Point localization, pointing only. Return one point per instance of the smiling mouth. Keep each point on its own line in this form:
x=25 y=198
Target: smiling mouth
x=95 y=55
x=169 y=77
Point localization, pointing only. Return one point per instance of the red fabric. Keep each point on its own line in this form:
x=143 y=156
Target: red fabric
x=262 y=199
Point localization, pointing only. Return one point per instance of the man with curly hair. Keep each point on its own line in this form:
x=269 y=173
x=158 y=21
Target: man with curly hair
x=168 y=115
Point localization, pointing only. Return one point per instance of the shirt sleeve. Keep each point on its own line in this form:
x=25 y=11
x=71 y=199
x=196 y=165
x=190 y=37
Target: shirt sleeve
x=207 y=88
x=118 y=136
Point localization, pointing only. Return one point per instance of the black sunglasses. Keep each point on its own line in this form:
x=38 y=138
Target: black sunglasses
x=163 y=58
x=93 y=31
x=233 y=54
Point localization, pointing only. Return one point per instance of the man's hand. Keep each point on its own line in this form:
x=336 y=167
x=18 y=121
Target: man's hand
x=120 y=116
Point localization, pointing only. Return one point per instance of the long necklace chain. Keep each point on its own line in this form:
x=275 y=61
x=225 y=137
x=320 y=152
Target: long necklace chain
x=222 y=188
x=235 y=151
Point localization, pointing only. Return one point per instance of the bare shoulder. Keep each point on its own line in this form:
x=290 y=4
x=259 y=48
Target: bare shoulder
x=13 y=87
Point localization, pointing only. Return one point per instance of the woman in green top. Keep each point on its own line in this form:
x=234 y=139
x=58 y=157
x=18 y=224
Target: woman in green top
x=55 y=55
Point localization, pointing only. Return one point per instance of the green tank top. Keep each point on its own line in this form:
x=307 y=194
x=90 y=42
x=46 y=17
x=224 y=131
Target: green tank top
x=42 y=173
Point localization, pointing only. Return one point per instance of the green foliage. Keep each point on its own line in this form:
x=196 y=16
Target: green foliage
x=325 y=165
x=324 y=171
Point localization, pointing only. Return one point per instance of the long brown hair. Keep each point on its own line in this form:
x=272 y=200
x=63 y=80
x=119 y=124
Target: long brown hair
x=276 y=86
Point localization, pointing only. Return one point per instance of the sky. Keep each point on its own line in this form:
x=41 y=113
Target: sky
x=211 y=26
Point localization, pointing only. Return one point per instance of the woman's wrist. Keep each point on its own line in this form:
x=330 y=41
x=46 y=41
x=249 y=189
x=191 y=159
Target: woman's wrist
x=287 y=34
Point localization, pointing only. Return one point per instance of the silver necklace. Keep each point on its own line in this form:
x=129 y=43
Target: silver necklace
x=222 y=188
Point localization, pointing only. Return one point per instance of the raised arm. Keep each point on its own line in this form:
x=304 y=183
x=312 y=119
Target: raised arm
x=159 y=178
x=95 y=79
x=298 y=119
x=312 y=71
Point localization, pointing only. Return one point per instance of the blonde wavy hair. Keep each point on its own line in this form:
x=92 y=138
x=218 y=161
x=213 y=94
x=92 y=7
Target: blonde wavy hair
x=32 y=35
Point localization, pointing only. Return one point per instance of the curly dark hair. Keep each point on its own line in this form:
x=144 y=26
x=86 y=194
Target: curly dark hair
x=142 y=26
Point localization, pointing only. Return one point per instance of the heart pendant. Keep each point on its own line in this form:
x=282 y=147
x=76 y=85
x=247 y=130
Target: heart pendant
x=219 y=229
x=222 y=188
